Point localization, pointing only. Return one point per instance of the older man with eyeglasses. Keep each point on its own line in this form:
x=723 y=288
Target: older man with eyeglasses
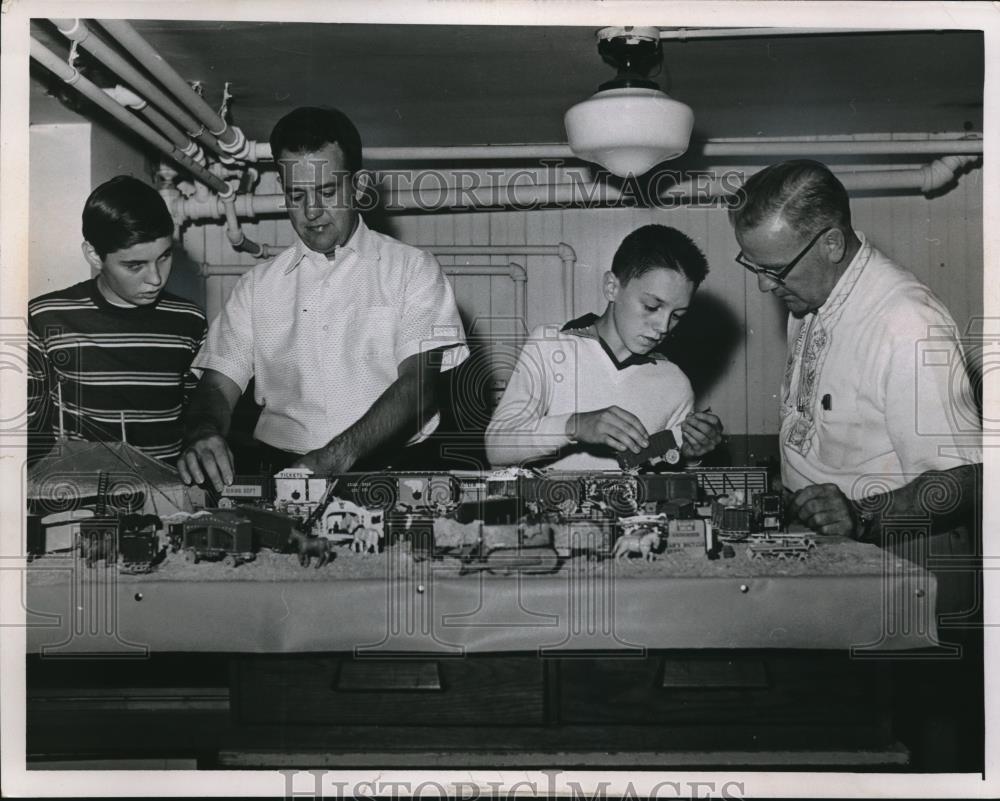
x=869 y=429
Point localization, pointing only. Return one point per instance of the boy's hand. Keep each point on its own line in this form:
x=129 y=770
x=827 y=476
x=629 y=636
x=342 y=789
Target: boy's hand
x=702 y=433
x=208 y=456
x=613 y=426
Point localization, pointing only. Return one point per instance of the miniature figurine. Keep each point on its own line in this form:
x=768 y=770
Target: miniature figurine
x=366 y=540
x=308 y=547
x=634 y=542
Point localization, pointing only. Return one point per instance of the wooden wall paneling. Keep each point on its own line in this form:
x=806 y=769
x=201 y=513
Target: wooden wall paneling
x=972 y=202
x=735 y=344
x=900 y=212
x=961 y=272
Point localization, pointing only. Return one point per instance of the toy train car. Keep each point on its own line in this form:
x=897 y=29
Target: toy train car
x=782 y=547
x=524 y=547
x=220 y=535
x=717 y=481
x=402 y=490
x=129 y=539
x=271 y=529
x=620 y=493
x=740 y=521
x=138 y=542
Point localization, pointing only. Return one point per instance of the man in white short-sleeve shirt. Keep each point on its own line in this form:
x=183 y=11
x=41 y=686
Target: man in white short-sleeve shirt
x=344 y=333
x=869 y=427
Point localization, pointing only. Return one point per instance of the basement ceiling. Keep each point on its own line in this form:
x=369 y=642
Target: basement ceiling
x=453 y=85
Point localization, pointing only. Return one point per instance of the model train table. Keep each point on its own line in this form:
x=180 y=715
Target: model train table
x=845 y=595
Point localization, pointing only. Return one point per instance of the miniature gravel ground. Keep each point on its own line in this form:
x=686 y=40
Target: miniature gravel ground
x=832 y=556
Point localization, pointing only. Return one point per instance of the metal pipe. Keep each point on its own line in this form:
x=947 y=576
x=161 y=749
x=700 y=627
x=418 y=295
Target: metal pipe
x=76 y=30
x=593 y=193
x=126 y=97
x=72 y=77
x=682 y=34
x=958 y=144
x=845 y=148
x=231 y=139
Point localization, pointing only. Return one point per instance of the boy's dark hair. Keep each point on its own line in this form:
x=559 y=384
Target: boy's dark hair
x=124 y=212
x=310 y=128
x=804 y=193
x=654 y=246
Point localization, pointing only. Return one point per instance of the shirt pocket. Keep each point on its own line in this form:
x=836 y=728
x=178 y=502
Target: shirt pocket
x=371 y=332
x=839 y=435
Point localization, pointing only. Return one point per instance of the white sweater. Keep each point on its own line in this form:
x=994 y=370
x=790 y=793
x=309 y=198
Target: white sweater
x=561 y=372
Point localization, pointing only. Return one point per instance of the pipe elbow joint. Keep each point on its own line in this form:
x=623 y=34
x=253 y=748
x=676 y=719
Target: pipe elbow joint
x=566 y=252
x=239 y=149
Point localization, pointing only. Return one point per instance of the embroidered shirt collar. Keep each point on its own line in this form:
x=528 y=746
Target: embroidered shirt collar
x=830 y=310
x=586 y=328
x=361 y=240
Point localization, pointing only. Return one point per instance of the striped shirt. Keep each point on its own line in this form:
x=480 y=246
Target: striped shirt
x=111 y=363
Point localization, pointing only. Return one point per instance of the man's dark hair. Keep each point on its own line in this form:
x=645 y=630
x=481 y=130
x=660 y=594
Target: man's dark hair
x=655 y=246
x=124 y=212
x=309 y=128
x=804 y=193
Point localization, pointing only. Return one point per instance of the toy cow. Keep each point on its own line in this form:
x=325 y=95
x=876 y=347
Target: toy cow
x=366 y=540
x=308 y=547
x=635 y=542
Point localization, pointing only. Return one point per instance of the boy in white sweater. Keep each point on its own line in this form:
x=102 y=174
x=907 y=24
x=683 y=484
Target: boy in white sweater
x=596 y=387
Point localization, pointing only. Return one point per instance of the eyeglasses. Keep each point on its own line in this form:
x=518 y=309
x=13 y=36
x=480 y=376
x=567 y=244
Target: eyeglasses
x=779 y=275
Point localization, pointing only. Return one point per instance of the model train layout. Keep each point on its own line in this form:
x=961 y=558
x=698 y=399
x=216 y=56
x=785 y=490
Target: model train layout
x=502 y=521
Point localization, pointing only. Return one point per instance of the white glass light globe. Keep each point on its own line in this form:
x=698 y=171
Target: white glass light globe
x=629 y=131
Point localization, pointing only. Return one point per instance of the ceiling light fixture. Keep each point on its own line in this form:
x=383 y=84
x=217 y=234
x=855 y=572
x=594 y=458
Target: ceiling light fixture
x=629 y=125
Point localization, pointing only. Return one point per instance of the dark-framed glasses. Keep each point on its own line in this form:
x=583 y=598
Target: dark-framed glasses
x=779 y=275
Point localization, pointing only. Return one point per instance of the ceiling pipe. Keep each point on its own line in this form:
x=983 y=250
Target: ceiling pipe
x=76 y=30
x=129 y=99
x=926 y=179
x=683 y=34
x=961 y=144
x=72 y=77
x=231 y=139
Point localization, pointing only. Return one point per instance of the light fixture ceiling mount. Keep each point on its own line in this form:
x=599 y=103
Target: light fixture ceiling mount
x=629 y=126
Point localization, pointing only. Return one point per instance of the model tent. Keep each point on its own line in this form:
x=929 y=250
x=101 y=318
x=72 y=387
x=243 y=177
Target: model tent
x=71 y=475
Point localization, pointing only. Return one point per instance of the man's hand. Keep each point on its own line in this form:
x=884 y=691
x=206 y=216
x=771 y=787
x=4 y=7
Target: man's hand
x=613 y=426
x=825 y=509
x=208 y=456
x=332 y=459
x=702 y=433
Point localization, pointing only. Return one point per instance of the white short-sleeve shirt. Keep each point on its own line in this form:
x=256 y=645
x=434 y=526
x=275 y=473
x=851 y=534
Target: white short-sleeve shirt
x=875 y=392
x=323 y=338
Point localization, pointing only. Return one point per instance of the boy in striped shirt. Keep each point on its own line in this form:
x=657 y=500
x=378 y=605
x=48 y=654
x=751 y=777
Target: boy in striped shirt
x=115 y=350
